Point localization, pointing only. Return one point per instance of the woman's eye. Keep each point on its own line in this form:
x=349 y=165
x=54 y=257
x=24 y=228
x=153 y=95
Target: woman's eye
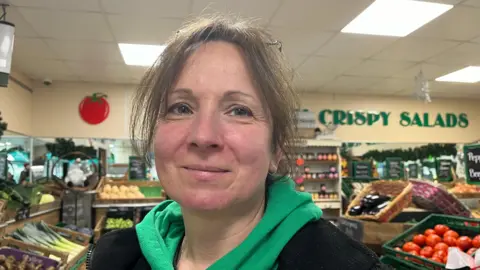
x=240 y=111
x=180 y=108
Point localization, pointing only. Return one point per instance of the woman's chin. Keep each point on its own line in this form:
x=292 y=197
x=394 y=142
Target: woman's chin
x=205 y=201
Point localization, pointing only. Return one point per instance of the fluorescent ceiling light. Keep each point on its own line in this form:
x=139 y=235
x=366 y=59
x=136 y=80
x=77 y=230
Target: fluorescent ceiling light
x=469 y=74
x=395 y=17
x=140 y=54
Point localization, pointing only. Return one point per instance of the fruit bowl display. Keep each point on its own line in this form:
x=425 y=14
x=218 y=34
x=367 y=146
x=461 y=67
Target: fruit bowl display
x=380 y=201
x=426 y=244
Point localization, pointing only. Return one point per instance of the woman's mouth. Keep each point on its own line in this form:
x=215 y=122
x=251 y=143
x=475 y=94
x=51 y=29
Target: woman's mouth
x=204 y=172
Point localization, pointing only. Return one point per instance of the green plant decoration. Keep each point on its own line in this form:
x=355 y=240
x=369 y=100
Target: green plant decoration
x=63 y=147
x=422 y=152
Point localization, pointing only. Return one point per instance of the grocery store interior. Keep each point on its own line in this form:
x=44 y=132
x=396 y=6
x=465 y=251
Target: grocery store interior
x=389 y=120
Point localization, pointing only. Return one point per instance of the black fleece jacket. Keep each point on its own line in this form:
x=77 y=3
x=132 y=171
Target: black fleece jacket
x=318 y=245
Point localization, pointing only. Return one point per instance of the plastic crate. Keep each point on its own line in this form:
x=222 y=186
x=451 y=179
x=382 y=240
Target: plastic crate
x=398 y=264
x=464 y=226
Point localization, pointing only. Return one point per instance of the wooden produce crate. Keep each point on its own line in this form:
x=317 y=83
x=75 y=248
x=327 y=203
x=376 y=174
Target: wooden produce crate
x=140 y=184
x=97 y=231
x=65 y=261
x=11 y=213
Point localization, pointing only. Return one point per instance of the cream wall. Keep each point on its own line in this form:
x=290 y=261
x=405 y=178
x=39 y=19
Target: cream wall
x=394 y=132
x=55 y=114
x=16 y=105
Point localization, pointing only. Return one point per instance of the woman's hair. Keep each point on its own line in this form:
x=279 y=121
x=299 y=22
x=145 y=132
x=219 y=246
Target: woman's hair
x=268 y=69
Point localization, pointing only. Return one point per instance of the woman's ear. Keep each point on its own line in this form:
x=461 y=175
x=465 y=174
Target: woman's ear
x=275 y=161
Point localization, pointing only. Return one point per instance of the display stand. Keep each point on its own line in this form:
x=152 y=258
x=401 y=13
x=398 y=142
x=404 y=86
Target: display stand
x=318 y=165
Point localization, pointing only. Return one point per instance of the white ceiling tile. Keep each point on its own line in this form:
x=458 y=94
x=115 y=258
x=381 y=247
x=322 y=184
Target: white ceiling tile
x=391 y=85
x=352 y=45
x=82 y=5
x=472 y=3
x=448 y=2
x=260 y=10
x=43 y=68
x=324 y=66
x=307 y=82
x=414 y=49
x=157 y=8
x=430 y=71
x=460 y=23
x=137 y=72
x=295 y=60
x=464 y=55
x=374 y=68
x=68 y=25
x=323 y=14
x=32 y=48
x=300 y=40
x=350 y=83
x=22 y=27
x=84 y=69
x=144 y=30
x=88 y=51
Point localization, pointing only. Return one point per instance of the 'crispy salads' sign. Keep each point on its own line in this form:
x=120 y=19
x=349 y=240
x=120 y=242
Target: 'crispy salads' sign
x=406 y=119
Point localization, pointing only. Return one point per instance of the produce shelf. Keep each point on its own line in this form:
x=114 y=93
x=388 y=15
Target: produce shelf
x=108 y=205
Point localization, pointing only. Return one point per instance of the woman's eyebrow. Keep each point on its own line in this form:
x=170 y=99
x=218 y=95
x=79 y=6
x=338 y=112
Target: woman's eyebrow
x=234 y=94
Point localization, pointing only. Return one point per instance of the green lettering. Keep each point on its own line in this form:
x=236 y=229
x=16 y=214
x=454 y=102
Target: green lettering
x=372 y=118
x=385 y=116
x=350 y=116
x=426 y=120
x=360 y=118
x=405 y=119
x=451 y=120
x=417 y=121
x=339 y=117
x=439 y=121
x=463 y=120
x=322 y=117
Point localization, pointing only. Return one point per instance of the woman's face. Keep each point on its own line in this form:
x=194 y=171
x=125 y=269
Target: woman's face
x=213 y=148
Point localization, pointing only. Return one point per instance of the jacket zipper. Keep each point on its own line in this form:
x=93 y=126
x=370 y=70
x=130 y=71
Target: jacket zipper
x=88 y=261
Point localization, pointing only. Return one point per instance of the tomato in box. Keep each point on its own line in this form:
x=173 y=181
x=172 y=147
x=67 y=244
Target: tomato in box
x=433 y=239
x=419 y=239
x=441 y=229
x=476 y=241
x=451 y=233
x=464 y=243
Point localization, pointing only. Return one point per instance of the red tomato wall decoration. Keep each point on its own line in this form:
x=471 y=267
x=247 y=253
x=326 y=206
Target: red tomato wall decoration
x=94 y=109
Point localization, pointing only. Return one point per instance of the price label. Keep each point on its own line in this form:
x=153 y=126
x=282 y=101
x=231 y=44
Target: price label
x=351 y=227
x=362 y=170
x=472 y=164
x=394 y=167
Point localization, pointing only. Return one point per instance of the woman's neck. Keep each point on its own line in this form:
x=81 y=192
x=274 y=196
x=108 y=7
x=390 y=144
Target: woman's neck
x=209 y=236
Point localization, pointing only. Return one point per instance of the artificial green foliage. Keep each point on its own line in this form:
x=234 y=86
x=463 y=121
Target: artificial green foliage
x=3 y=126
x=422 y=152
x=62 y=147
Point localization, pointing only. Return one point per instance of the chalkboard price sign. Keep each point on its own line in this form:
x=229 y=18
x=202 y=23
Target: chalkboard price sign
x=472 y=163
x=444 y=170
x=351 y=227
x=394 y=168
x=413 y=171
x=362 y=169
x=137 y=169
x=3 y=166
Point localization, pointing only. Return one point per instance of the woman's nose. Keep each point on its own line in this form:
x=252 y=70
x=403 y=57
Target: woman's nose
x=205 y=132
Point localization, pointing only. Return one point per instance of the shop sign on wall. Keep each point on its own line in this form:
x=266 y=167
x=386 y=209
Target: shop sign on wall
x=407 y=119
x=94 y=109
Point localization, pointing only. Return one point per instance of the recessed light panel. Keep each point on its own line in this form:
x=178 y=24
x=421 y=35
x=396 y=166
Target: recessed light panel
x=395 y=17
x=140 y=54
x=469 y=74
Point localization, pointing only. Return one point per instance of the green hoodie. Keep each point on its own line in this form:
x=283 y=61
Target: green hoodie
x=287 y=211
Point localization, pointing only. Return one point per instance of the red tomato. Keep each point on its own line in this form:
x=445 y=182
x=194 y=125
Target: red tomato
x=476 y=241
x=398 y=249
x=441 y=246
x=410 y=246
x=427 y=251
x=419 y=239
x=451 y=233
x=433 y=239
x=450 y=240
x=471 y=251
x=437 y=259
x=464 y=243
x=94 y=109
x=429 y=232
x=440 y=254
x=441 y=229
x=413 y=252
x=445 y=260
